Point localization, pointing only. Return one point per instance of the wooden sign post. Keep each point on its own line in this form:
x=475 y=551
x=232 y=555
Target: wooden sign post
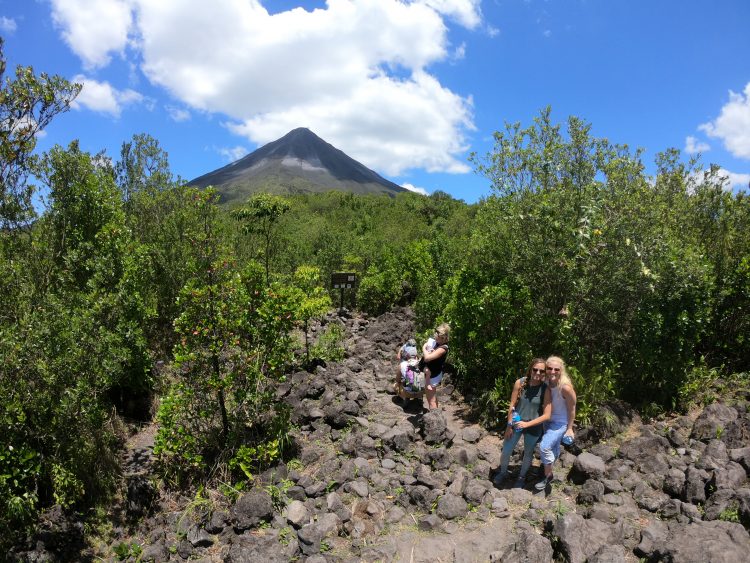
x=342 y=281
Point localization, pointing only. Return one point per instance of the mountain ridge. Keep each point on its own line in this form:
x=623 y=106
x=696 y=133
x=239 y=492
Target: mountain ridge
x=298 y=162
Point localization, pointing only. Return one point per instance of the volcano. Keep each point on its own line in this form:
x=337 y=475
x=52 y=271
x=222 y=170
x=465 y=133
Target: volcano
x=298 y=162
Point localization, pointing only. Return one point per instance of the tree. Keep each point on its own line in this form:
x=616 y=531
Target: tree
x=28 y=104
x=260 y=215
x=313 y=300
x=143 y=167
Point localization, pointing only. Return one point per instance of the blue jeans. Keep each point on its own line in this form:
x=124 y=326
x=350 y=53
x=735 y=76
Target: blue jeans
x=529 y=443
x=550 y=444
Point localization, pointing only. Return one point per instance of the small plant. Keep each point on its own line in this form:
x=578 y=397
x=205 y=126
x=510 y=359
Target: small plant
x=125 y=550
x=294 y=464
x=730 y=514
x=232 y=492
x=560 y=509
x=278 y=497
x=325 y=547
x=719 y=432
x=328 y=347
x=285 y=535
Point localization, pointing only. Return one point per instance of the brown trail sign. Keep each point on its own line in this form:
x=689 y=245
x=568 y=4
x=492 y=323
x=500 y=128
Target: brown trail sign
x=342 y=281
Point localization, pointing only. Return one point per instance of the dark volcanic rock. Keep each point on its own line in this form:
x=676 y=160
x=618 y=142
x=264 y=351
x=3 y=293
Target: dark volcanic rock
x=251 y=508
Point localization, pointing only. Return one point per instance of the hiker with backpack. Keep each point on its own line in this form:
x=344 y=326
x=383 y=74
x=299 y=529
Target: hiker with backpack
x=433 y=357
x=410 y=376
x=531 y=405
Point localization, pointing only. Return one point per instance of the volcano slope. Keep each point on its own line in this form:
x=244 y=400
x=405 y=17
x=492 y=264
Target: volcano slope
x=376 y=480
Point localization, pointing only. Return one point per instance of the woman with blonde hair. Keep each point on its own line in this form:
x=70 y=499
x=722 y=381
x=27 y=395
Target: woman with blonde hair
x=563 y=398
x=434 y=361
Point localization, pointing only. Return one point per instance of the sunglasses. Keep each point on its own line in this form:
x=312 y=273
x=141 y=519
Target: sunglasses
x=555 y=370
x=537 y=370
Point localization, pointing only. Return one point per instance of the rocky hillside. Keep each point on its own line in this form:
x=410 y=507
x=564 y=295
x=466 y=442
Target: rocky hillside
x=376 y=480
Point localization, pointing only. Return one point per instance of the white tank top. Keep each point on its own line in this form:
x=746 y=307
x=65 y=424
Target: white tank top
x=559 y=406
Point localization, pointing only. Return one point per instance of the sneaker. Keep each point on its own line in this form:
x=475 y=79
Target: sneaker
x=499 y=478
x=544 y=483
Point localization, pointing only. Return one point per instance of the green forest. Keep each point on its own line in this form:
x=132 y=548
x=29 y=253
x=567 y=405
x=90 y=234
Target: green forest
x=127 y=293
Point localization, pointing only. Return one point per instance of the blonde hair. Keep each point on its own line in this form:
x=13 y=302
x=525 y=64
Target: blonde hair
x=444 y=331
x=564 y=377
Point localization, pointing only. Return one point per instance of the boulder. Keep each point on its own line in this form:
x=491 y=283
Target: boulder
x=252 y=508
x=580 y=539
x=714 y=419
x=451 y=506
x=587 y=466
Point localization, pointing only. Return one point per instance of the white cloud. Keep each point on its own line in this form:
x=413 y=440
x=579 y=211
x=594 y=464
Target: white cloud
x=412 y=188
x=233 y=153
x=694 y=146
x=7 y=25
x=102 y=97
x=466 y=12
x=356 y=72
x=736 y=181
x=177 y=114
x=459 y=53
x=94 y=29
x=733 y=124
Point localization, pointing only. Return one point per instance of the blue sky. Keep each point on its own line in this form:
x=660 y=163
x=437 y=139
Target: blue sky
x=409 y=88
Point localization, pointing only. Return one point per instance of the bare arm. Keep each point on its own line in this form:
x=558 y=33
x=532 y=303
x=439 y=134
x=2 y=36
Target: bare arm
x=569 y=395
x=513 y=399
x=433 y=355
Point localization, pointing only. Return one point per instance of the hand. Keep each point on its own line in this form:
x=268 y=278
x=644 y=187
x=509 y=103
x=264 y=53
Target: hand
x=570 y=433
x=508 y=433
x=520 y=425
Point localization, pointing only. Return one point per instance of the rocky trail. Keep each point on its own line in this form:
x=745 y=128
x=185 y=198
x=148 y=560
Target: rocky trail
x=378 y=480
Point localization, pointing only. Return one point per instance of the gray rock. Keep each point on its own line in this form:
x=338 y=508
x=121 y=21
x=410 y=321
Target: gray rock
x=359 y=488
x=451 y=506
x=718 y=542
x=466 y=456
x=741 y=456
x=198 y=537
x=714 y=456
x=388 y=464
x=653 y=539
x=471 y=434
x=251 y=508
x=435 y=428
x=309 y=537
x=591 y=492
x=587 y=466
x=297 y=514
x=156 y=553
x=609 y=554
x=528 y=547
x=475 y=491
x=430 y=523
x=500 y=507
x=674 y=483
x=731 y=476
x=395 y=515
x=714 y=417
x=217 y=522
x=579 y=539
x=695 y=485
